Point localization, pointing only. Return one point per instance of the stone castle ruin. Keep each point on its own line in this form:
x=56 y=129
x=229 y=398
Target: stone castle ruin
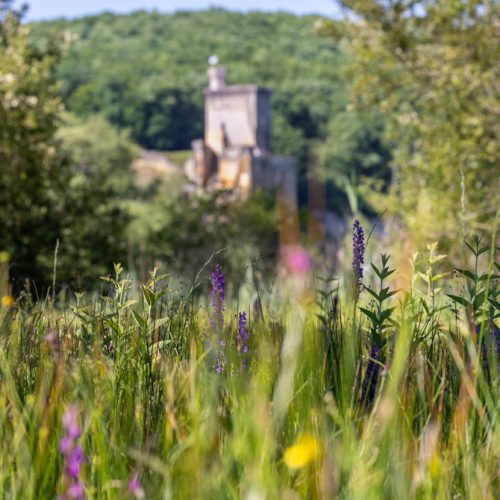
x=235 y=153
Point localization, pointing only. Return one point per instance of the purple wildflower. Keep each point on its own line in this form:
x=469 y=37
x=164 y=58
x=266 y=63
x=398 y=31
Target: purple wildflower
x=217 y=318
x=297 y=260
x=76 y=490
x=358 y=251
x=371 y=377
x=70 y=424
x=242 y=338
x=73 y=455
x=135 y=488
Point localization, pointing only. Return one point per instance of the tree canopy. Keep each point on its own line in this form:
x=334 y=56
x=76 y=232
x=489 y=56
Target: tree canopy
x=31 y=177
x=432 y=69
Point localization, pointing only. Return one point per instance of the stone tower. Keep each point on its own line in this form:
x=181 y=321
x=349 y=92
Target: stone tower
x=236 y=115
x=235 y=153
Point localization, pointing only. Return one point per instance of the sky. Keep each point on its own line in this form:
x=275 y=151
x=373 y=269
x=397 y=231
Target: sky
x=50 y=9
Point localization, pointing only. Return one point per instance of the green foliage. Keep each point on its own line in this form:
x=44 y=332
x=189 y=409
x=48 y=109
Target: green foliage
x=354 y=153
x=432 y=69
x=146 y=72
x=63 y=180
x=181 y=231
x=481 y=297
x=32 y=178
x=379 y=315
x=96 y=215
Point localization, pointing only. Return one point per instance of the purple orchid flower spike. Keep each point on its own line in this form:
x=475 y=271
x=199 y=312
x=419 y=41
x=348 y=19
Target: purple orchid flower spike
x=217 y=317
x=73 y=456
x=358 y=252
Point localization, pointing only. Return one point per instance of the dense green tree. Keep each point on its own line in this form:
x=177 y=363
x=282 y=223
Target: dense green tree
x=180 y=231
x=146 y=71
x=31 y=177
x=432 y=69
x=96 y=216
x=62 y=180
x=355 y=155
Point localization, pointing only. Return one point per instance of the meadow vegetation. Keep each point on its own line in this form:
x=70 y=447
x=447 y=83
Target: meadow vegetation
x=304 y=387
x=226 y=356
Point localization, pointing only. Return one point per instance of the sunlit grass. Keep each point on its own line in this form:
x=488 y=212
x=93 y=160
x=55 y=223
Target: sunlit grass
x=292 y=417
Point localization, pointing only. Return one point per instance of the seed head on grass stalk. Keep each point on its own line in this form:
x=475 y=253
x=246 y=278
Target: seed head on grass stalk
x=242 y=338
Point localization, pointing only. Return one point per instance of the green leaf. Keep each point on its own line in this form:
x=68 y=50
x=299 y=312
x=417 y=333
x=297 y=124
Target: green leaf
x=426 y=308
x=492 y=277
x=436 y=258
x=482 y=250
x=376 y=269
x=141 y=322
x=114 y=326
x=386 y=293
x=460 y=300
x=439 y=276
x=424 y=277
x=473 y=250
x=387 y=272
x=373 y=293
x=128 y=303
x=148 y=295
x=370 y=314
x=386 y=314
x=494 y=303
x=467 y=273
x=478 y=300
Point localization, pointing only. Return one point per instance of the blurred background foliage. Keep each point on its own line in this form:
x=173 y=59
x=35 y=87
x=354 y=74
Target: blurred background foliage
x=145 y=72
x=395 y=107
x=185 y=230
x=99 y=183
x=432 y=69
x=32 y=175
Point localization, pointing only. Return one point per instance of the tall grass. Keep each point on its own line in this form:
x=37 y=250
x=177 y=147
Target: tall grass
x=389 y=394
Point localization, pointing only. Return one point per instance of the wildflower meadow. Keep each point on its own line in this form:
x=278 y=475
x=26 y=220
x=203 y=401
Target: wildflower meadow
x=249 y=251
x=306 y=387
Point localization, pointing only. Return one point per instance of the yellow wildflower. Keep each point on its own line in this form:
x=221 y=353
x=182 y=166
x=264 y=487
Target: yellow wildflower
x=435 y=467
x=7 y=301
x=302 y=453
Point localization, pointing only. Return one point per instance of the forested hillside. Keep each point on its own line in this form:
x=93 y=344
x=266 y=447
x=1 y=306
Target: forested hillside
x=350 y=98
x=146 y=71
